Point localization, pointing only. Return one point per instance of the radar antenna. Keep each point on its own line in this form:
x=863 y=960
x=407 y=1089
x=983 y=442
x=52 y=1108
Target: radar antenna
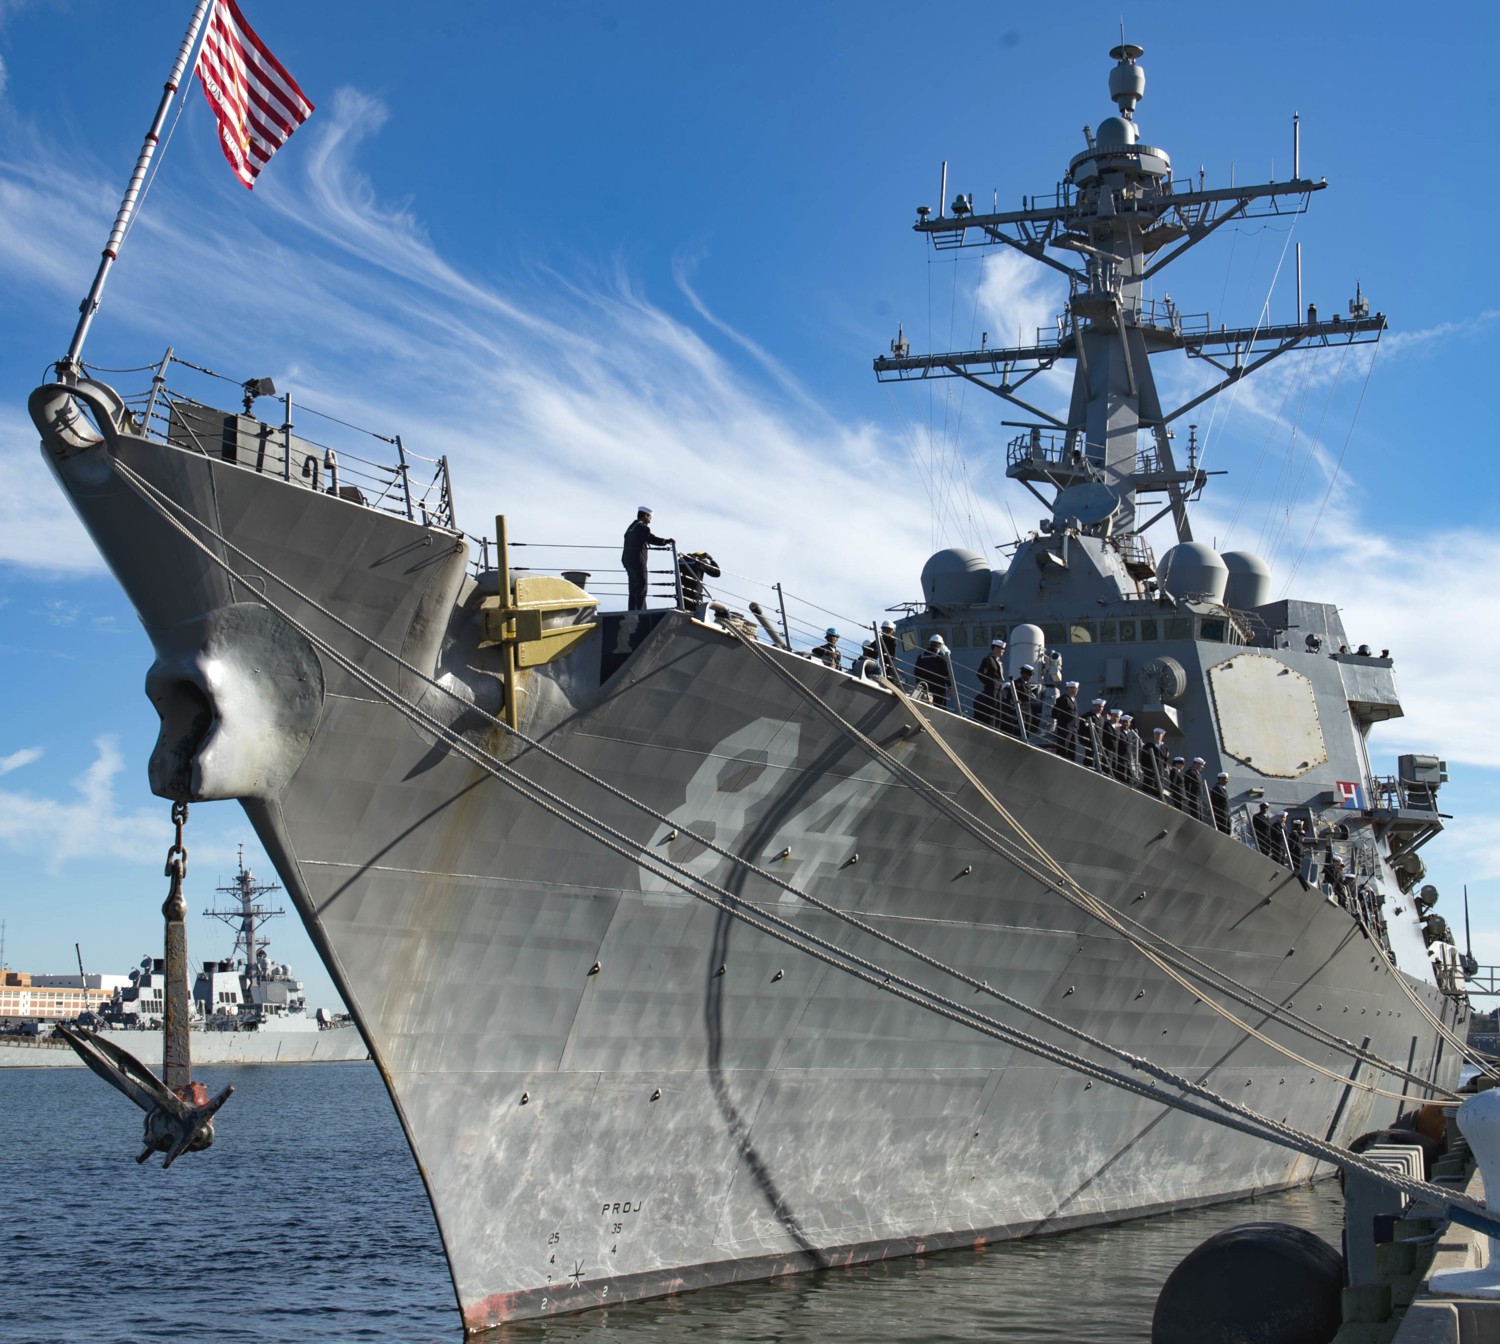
x=246 y=916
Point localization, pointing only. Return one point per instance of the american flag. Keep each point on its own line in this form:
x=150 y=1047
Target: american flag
x=257 y=103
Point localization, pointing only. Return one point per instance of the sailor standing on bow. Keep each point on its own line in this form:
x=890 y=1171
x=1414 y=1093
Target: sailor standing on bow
x=692 y=568
x=639 y=539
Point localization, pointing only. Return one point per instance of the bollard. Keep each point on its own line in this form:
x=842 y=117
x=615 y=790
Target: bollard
x=1479 y=1121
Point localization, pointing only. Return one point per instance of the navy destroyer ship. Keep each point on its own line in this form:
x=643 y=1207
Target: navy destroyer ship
x=246 y=1007
x=688 y=959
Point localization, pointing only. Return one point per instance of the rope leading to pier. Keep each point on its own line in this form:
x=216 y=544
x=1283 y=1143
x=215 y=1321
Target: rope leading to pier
x=1212 y=1107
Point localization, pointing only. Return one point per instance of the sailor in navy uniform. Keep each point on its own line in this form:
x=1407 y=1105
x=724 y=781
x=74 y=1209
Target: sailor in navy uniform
x=639 y=538
x=932 y=671
x=1018 y=703
x=868 y=662
x=1260 y=823
x=1065 y=722
x=1130 y=751
x=1091 y=733
x=828 y=650
x=1193 y=801
x=1154 y=762
x=691 y=569
x=1218 y=798
x=1114 y=746
x=888 y=651
x=1176 y=788
x=1296 y=840
x=991 y=679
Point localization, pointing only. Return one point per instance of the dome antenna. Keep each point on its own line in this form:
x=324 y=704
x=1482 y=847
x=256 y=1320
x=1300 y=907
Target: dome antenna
x=1127 y=81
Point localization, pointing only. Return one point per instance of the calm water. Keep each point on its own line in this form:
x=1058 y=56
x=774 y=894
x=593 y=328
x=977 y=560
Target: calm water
x=306 y=1222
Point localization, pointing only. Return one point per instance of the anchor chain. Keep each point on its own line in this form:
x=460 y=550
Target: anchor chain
x=176 y=1048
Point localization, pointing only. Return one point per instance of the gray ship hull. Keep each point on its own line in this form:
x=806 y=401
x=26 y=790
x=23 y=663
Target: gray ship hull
x=810 y=1119
x=338 y=1045
x=591 y=1137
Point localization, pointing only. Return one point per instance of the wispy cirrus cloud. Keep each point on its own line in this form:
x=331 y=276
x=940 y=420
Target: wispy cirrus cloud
x=16 y=759
x=540 y=390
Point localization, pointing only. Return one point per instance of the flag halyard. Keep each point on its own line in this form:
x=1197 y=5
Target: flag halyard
x=256 y=102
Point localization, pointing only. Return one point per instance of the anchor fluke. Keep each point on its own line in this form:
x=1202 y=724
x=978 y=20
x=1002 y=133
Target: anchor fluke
x=177 y=1120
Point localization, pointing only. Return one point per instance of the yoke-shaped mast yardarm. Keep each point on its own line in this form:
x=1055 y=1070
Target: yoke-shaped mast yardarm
x=1125 y=218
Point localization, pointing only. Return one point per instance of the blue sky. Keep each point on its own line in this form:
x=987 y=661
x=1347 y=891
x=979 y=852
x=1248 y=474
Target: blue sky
x=605 y=254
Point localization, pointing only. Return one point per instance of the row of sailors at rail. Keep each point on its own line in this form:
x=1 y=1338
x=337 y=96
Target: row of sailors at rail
x=1105 y=740
x=1100 y=738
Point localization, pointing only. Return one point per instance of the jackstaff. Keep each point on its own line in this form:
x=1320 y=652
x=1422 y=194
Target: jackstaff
x=258 y=106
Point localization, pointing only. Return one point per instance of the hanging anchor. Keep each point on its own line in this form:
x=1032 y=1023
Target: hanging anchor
x=179 y=1114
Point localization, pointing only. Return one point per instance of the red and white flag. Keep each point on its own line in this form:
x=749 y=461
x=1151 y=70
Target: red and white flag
x=257 y=103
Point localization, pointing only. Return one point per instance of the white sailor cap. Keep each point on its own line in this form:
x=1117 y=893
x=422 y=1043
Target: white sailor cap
x=888 y=625
x=1158 y=732
x=644 y=508
x=1100 y=701
x=1027 y=667
x=1177 y=760
x=997 y=643
x=1070 y=685
x=1223 y=774
x=1198 y=760
x=936 y=639
x=1127 y=718
x=1114 y=713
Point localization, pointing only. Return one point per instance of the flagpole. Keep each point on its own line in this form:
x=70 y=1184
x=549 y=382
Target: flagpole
x=68 y=365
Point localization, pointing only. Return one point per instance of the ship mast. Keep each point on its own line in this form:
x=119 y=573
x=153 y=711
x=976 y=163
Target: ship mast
x=246 y=915
x=1124 y=218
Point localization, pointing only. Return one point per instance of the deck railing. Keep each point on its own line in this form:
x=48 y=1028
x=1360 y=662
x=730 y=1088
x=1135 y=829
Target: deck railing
x=339 y=461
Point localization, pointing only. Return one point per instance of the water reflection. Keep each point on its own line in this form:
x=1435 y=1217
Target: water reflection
x=1099 y=1284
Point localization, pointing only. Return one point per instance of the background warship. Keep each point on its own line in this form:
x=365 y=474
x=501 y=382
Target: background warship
x=247 y=1009
x=647 y=1060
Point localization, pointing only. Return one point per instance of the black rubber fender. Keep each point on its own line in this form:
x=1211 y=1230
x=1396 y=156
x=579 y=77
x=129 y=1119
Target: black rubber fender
x=1259 y=1283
